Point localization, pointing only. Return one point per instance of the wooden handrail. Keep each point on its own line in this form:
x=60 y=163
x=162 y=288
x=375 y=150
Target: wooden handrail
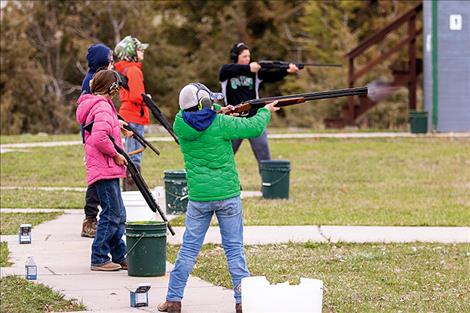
x=379 y=35
x=366 y=68
x=351 y=111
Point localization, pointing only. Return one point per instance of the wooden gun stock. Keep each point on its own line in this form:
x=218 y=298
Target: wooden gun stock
x=245 y=107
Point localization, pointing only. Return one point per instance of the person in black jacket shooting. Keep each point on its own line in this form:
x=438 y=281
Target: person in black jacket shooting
x=240 y=81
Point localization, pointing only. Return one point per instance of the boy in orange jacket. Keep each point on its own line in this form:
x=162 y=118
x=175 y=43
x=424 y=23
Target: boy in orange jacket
x=130 y=53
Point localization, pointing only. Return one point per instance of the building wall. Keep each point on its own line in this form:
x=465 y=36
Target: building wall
x=453 y=65
x=427 y=60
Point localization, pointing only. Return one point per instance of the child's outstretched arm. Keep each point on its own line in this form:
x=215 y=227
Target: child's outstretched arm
x=240 y=127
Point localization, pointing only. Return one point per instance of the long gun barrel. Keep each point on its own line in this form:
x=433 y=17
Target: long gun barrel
x=276 y=64
x=142 y=186
x=139 y=138
x=159 y=116
x=298 y=98
x=138 y=179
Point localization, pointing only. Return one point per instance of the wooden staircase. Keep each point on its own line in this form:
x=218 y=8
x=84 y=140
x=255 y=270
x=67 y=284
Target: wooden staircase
x=355 y=108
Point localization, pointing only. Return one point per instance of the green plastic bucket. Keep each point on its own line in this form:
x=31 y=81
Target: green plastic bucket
x=176 y=191
x=275 y=177
x=146 y=248
x=419 y=122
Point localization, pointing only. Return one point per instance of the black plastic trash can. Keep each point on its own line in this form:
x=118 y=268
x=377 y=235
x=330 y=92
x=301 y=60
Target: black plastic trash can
x=418 y=122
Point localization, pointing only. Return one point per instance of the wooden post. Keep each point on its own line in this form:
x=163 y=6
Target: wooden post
x=412 y=63
x=350 y=116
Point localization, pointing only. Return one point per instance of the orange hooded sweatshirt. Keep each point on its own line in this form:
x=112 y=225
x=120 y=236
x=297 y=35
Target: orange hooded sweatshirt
x=133 y=109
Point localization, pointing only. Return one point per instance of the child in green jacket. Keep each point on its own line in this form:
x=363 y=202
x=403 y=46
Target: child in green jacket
x=214 y=187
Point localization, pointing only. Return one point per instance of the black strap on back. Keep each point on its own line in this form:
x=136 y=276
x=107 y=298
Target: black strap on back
x=88 y=127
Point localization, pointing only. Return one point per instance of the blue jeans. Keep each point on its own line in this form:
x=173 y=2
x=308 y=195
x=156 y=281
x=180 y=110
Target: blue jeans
x=198 y=218
x=132 y=144
x=259 y=145
x=111 y=225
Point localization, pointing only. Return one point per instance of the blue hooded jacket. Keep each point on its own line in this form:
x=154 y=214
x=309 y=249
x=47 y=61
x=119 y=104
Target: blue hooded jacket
x=98 y=57
x=200 y=120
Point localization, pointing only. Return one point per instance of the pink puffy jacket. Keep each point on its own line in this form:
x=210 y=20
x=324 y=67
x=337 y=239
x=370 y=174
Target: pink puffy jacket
x=99 y=150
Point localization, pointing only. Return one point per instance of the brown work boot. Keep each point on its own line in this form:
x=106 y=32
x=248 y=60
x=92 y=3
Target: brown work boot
x=128 y=184
x=89 y=227
x=106 y=267
x=170 y=307
x=238 y=308
x=123 y=265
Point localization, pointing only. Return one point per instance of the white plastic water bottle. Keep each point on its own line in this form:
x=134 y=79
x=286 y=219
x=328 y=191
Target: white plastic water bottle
x=31 y=269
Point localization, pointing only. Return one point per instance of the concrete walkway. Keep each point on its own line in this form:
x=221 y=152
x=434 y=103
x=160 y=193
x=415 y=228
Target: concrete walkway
x=353 y=234
x=63 y=261
x=280 y=234
x=63 y=257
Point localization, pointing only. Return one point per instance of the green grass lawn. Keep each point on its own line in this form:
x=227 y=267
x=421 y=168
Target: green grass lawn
x=27 y=138
x=403 y=181
x=27 y=198
x=287 y=130
x=64 y=166
x=415 y=277
x=11 y=222
x=371 y=182
x=4 y=254
x=364 y=182
x=19 y=295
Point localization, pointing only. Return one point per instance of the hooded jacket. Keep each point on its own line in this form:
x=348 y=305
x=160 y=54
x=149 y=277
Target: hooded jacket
x=208 y=155
x=99 y=150
x=98 y=57
x=133 y=108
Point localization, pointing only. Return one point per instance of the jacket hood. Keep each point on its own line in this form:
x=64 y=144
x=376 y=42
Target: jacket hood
x=86 y=103
x=201 y=119
x=122 y=65
x=98 y=56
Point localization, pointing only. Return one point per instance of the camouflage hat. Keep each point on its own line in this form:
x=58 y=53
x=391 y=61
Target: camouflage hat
x=127 y=48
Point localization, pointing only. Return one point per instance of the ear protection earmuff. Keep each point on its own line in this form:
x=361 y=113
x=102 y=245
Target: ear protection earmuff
x=202 y=102
x=234 y=52
x=117 y=84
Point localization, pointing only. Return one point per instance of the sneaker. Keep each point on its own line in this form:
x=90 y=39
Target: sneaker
x=89 y=227
x=238 y=308
x=169 y=307
x=106 y=267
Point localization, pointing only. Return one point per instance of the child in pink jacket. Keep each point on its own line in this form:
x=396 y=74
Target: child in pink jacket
x=104 y=167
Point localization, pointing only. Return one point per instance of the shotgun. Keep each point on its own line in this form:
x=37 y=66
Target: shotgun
x=275 y=64
x=142 y=185
x=138 y=137
x=255 y=104
x=138 y=179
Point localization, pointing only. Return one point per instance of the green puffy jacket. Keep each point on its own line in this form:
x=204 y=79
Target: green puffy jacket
x=208 y=155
